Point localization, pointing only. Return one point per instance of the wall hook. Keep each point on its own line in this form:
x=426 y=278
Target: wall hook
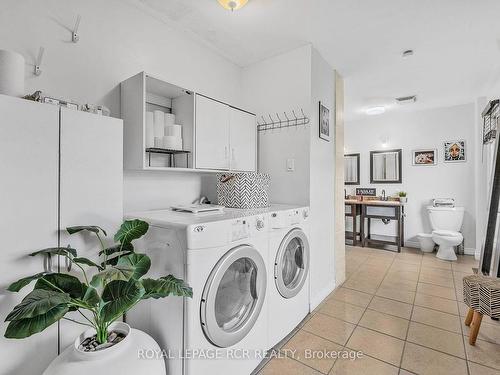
x=38 y=62
x=75 y=38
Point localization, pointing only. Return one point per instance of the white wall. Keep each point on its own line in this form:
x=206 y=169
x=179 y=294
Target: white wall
x=322 y=183
x=294 y=80
x=414 y=130
x=282 y=84
x=117 y=40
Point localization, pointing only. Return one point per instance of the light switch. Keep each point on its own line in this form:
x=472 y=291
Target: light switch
x=290 y=165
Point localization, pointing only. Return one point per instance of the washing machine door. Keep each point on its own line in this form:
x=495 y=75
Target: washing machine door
x=291 y=265
x=233 y=296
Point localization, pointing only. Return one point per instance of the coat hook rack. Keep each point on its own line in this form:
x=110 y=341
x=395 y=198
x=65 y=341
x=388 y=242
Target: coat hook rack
x=75 y=38
x=278 y=123
x=38 y=62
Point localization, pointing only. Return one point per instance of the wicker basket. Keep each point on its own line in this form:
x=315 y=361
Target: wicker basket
x=243 y=190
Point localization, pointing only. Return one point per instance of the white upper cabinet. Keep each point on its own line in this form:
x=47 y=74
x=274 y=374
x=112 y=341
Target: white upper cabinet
x=215 y=135
x=242 y=140
x=212 y=134
x=225 y=136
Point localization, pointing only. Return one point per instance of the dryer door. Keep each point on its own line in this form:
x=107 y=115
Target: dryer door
x=233 y=296
x=291 y=266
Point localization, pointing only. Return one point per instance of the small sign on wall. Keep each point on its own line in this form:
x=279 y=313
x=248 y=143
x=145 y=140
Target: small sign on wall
x=370 y=192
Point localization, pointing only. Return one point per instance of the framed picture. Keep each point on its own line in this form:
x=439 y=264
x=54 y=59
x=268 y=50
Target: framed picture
x=425 y=156
x=454 y=151
x=324 y=122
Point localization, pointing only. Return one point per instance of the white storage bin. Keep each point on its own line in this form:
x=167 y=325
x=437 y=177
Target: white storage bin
x=243 y=190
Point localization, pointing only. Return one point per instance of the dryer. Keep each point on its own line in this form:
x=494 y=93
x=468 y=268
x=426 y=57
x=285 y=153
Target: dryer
x=223 y=328
x=288 y=270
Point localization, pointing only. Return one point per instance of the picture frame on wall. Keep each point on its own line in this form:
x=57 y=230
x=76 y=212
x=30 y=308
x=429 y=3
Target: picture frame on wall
x=424 y=157
x=455 y=151
x=324 y=123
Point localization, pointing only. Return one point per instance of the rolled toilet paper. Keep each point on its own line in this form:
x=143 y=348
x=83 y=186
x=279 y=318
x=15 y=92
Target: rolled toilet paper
x=159 y=121
x=172 y=143
x=159 y=142
x=169 y=119
x=150 y=130
x=11 y=73
x=173 y=130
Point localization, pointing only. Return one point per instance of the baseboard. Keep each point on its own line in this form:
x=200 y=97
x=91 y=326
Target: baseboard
x=319 y=296
x=413 y=244
x=469 y=251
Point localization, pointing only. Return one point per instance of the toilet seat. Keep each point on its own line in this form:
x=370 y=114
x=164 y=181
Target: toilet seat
x=447 y=233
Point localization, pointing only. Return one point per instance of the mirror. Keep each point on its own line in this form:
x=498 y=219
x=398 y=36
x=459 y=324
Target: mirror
x=351 y=169
x=385 y=167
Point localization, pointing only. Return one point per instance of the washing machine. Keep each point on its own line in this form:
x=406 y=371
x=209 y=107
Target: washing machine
x=223 y=328
x=288 y=270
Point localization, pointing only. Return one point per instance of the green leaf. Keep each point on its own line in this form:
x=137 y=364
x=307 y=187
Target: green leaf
x=139 y=262
x=56 y=251
x=131 y=230
x=87 y=262
x=36 y=303
x=22 y=328
x=89 y=228
x=68 y=283
x=119 y=297
x=112 y=261
x=19 y=284
x=118 y=248
x=165 y=286
x=91 y=297
x=113 y=273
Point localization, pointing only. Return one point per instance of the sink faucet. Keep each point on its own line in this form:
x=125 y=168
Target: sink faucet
x=383 y=195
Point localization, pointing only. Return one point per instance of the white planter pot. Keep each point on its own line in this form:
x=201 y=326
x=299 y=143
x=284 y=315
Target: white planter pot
x=129 y=356
x=403 y=199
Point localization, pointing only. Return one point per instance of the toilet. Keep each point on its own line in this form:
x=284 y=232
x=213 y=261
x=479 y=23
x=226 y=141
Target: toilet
x=446 y=223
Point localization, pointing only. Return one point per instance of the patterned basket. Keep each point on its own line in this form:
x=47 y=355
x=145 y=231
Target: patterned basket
x=243 y=190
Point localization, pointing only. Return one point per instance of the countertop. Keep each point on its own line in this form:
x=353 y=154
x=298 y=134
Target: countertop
x=374 y=202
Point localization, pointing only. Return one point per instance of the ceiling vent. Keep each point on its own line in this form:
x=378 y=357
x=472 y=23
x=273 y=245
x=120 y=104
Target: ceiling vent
x=406 y=99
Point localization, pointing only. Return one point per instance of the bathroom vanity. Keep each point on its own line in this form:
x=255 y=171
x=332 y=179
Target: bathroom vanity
x=378 y=210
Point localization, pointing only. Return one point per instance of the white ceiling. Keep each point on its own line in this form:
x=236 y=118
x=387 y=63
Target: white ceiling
x=456 y=43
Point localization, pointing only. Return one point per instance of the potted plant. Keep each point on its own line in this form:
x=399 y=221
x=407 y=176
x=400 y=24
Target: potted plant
x=402 y=197
x=110 y=287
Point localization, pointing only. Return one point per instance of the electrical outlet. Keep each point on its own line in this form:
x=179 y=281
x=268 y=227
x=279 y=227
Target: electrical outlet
x=290 y=165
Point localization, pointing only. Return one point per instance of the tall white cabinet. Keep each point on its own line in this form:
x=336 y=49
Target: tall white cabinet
x=58 y=168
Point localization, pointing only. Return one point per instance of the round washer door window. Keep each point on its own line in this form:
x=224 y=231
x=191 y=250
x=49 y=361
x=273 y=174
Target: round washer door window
x=291 y=266
x=233 y=296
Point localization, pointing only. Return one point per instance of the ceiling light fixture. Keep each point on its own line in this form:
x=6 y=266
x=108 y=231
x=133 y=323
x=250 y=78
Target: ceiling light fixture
x=375 y=111
x=233 y=4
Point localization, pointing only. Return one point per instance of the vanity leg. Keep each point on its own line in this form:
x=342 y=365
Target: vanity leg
x=362 y=227
x=354 y=228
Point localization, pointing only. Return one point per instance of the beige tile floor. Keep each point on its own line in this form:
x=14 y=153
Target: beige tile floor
x=403 y=311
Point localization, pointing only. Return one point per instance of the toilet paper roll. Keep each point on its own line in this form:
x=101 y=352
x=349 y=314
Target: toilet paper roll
x=173 y=130
x=169 y=119
x=172 y=143
x=159 y=142
x=159 y=121
x=11 y=73
x=150 y=130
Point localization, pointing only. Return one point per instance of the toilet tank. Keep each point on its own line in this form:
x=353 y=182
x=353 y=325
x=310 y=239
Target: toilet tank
x=446 y=218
